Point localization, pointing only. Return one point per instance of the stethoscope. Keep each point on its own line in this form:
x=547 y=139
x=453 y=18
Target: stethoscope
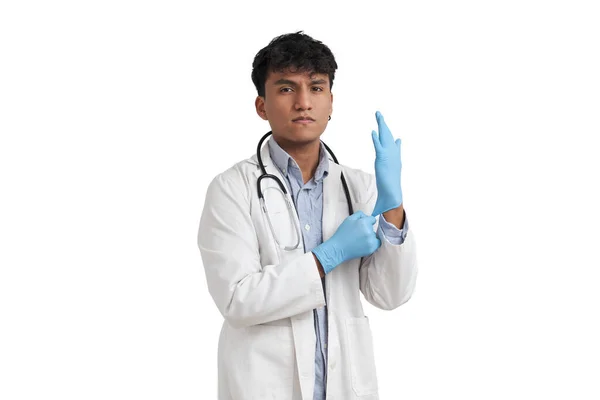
x=288 y=200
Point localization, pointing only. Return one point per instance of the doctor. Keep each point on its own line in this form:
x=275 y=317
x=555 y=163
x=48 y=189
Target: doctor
x=286 y=270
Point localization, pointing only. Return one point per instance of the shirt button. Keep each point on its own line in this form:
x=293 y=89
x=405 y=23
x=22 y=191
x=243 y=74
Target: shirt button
x=307 y=227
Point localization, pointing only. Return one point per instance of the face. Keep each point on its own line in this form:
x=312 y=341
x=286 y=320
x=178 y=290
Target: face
x=297 y=105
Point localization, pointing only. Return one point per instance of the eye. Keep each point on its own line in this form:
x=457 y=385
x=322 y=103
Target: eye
x=285 y=90
x=317 y=88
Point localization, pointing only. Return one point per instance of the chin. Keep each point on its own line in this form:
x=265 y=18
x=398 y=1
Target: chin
x=302 y=139
x=304 y=134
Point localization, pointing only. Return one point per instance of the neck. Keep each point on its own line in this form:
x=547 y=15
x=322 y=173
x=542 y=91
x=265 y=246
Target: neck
x=306 y=155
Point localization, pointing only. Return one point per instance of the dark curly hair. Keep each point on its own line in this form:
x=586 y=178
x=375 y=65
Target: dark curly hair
x=297 y=52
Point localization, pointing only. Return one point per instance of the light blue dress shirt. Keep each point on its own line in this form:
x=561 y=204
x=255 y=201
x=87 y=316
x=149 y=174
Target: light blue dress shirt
x=308 y=200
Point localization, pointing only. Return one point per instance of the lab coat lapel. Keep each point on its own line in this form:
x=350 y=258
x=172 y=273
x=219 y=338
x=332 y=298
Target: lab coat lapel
x=332 y=187
x=271 y=169
x=283 y=224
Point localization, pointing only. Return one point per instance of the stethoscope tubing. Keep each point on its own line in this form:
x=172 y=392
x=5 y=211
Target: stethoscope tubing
x=281 y=185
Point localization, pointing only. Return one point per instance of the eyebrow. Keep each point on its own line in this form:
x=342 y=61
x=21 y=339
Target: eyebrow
x=289 y=82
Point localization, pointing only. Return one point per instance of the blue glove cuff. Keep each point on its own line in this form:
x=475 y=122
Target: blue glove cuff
x=326 y=257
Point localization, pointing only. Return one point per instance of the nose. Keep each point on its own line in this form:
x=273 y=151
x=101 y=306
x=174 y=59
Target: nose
x=303 y=101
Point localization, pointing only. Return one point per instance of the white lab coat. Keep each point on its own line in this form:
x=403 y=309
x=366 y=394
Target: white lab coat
x=266 y=296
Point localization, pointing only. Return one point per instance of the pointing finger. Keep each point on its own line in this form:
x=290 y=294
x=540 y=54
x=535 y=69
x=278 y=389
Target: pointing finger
x=376 y=143
x=370 y=219
x=357 y=215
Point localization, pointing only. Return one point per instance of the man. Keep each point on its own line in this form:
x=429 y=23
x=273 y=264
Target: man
x=287 y=280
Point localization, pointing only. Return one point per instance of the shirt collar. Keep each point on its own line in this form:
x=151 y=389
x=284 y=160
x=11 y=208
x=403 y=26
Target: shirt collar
x=284 y=161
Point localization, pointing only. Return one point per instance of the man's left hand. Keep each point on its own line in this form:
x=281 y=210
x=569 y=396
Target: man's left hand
x=387 y=168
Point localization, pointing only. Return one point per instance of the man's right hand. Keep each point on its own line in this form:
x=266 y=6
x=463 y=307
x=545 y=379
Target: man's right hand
x=354 y=238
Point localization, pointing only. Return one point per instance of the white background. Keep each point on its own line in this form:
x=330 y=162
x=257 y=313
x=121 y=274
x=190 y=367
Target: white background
x=115 y=115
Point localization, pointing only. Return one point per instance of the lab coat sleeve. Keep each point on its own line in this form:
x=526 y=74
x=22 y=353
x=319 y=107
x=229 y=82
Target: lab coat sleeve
x=390 y=232
x=245 y=293
x=388 y=276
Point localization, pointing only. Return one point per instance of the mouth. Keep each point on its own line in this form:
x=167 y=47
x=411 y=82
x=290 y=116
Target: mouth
x=303 y=120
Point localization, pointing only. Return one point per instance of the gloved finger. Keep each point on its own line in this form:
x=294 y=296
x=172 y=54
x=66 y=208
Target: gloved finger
x=376 y=143
x=357 y=215
x=385 y=136
x=374 y=244
x=370 y=219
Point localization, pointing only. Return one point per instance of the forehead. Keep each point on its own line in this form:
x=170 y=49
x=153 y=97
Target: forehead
x=296 y=76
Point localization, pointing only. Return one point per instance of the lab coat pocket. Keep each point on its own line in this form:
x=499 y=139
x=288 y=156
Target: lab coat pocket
x=263 y=364
x=362 y=360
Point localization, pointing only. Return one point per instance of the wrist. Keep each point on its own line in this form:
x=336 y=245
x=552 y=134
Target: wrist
x=323 y=255
x=319 y=266
x=395 y=216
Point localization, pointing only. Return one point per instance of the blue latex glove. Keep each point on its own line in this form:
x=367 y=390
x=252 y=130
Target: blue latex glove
x=387 y=168
x=353 y=238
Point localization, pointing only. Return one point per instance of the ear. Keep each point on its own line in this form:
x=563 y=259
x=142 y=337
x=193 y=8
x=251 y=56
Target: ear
x=331 y=107
x=259 y=104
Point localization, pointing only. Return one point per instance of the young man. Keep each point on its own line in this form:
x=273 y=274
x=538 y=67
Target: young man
x=286 y=272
